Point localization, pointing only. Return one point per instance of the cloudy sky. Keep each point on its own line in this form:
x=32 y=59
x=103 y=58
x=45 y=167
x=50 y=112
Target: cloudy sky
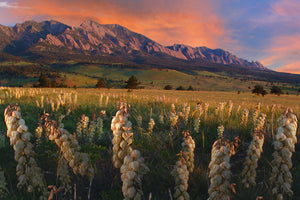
x=263 y=30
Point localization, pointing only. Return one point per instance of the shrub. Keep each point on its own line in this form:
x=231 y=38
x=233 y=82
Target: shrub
x=168 y=87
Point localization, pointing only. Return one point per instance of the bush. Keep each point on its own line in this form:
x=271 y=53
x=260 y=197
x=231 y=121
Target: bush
x=180 y=88
x=168 y=87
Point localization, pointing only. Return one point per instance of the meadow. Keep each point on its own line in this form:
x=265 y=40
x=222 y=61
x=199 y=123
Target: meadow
x=112 y=144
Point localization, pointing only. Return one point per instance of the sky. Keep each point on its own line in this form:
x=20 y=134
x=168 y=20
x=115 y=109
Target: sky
x=263 y=30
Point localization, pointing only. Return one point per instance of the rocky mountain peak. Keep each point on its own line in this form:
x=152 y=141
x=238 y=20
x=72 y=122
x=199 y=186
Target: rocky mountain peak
x=115 y=39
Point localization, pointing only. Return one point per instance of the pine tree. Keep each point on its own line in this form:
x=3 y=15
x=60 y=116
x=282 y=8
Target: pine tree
x=132 y=83
x=101 y=83
x=44 y=80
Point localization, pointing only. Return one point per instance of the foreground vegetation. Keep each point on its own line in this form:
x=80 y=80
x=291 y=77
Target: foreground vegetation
x=83 y=119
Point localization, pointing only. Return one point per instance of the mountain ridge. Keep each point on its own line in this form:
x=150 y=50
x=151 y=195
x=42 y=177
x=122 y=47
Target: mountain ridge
x=113 y=39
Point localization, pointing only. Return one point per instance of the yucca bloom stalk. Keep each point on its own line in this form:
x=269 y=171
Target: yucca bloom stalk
x=244 y=118
x=99 y=124
x=253 y=153
x=205 y=108
x=79 y=162
x=161 y=118
x=255 y=113
x=180 y=173
x=100 y=100
x=82 y=125
x=197 y=114
x=219 y=168
x=106 y=101
x=38 y=134
x=173 y=117
x=123 y=135
x=91 y=130
x=219 y=110
x=188 y=147
x=229 y=106
x=186 y=112
x=284 y=145
x=29 y=174
x=132 y=172
x=3 y=189
x=151 y=125
x=238 y=109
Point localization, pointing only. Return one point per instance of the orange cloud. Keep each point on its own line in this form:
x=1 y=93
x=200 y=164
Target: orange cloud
x=285 y=51
x=291 y=68
x=166 y=21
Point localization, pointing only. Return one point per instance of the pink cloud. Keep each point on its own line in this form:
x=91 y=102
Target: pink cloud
x=286 y=8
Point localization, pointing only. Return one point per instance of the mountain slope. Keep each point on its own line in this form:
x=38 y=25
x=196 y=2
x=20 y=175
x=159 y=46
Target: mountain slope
x=103 y=39
x=54 y=45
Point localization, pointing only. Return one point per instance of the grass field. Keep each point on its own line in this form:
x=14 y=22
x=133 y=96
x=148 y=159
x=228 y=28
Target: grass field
x=159 y=145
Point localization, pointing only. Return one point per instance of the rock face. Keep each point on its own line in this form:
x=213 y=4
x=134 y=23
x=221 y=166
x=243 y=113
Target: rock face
x=91 y=37
x=213 y=55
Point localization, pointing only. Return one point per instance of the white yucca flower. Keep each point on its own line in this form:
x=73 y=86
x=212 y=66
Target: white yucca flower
x=173 y=117
x=219 y=168
x=82 y=125
x=188 y=147
x=161 y=118
x=196 y=125
x=205 y=108
x=79 y=162
x=284 y=145
x=29 y=174
x=186 y=112
x=253 y=153
x=181 y=175
x=123 y=135
x=238 y=109
x=132 y=172
x=244 y=118
x=151 y=125
x=229 y=106
x=99 y=124
x=198 y=112
x=255 y=115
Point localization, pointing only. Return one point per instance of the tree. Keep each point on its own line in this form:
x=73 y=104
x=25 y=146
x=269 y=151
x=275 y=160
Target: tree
x=101 y=83
x=168 y=87
x=44 y=80
x=190 y=88
x=259 y=89
x=132 y=83
x=276 y=90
